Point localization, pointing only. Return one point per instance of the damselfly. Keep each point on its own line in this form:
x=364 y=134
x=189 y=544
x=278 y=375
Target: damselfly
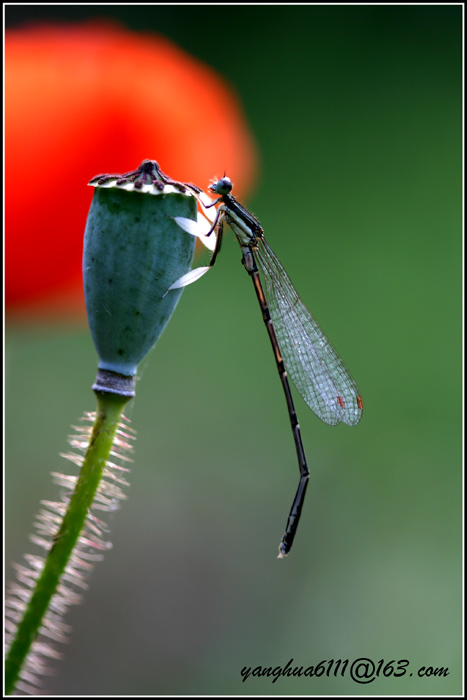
x=300 y=347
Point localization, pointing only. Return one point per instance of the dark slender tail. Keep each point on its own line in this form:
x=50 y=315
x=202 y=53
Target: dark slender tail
x=294 y=515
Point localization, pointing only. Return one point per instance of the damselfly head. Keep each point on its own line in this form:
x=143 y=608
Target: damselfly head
x=222 y=186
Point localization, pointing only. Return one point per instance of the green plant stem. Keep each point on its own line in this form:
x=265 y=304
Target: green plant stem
x=109 y=411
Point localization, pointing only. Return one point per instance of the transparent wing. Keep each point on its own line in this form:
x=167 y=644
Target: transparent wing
x=310 y=360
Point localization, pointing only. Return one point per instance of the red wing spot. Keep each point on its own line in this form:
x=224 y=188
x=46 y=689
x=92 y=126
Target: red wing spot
x=360 y=402
x=341 y=401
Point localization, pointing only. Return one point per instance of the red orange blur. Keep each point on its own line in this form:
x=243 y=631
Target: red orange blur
x=83 y=99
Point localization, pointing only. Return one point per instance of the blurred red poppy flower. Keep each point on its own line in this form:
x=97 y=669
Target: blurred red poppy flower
x=91 y=98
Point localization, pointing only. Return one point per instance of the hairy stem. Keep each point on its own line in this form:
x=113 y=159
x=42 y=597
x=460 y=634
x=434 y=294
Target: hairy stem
x=109 y=411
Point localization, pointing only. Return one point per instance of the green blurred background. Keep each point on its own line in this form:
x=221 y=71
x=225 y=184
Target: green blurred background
x=358 y=116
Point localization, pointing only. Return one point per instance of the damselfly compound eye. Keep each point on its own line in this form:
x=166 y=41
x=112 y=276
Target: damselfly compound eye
x=222 y=186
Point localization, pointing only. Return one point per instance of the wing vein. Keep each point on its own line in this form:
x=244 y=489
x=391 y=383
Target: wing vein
x=311 y=361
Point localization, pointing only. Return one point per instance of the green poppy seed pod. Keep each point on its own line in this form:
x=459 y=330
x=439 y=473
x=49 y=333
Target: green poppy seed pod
x=134 y=250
